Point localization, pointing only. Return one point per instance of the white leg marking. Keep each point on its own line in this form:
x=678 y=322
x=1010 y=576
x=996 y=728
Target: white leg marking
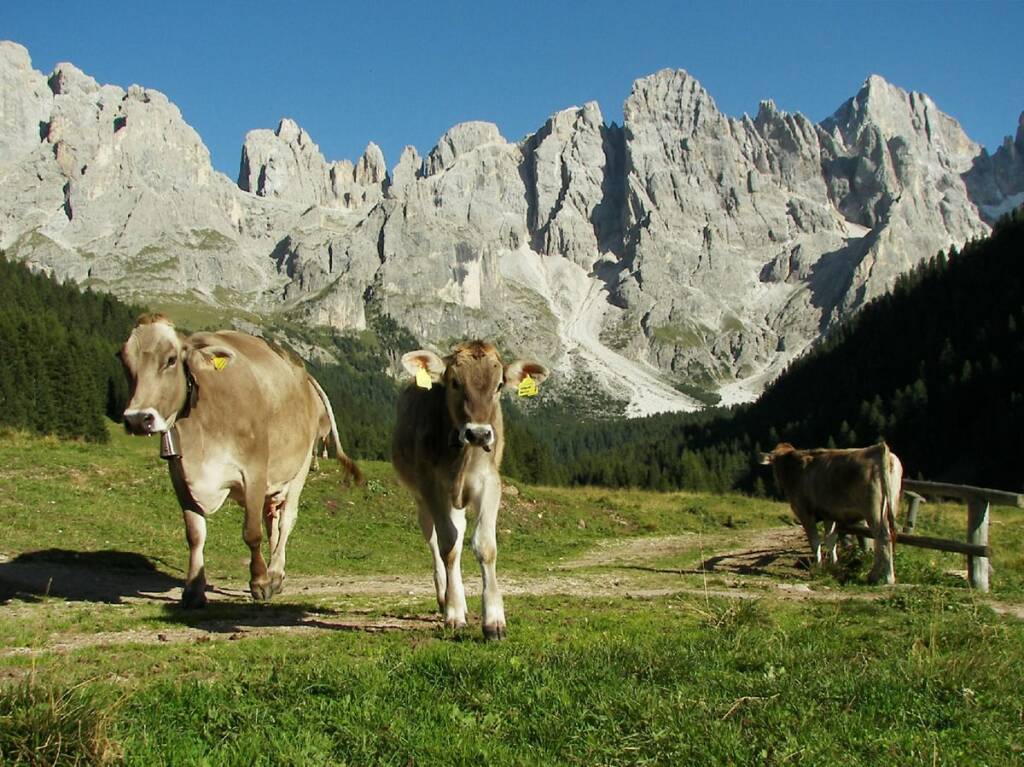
x=883 y=566
x=811 y=528
x=450 y=544
x=440 y=569
x=485 y=546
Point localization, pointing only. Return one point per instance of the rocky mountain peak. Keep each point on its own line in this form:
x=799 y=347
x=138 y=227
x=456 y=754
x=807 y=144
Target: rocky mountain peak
x=371 y=168
x=912 y=117
x=68 y=80
x=672 y=95
x=25 y=102
x=408 y=169
x=284 y=164
x=15 y=57
x=684 y=249
x=460 y=140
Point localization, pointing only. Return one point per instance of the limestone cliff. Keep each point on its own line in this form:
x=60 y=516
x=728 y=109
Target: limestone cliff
x=685 y=249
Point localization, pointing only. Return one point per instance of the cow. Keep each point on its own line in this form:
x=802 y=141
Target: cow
x=840 y=487
x=447 y=449
x=323 y=434
x=238 y=416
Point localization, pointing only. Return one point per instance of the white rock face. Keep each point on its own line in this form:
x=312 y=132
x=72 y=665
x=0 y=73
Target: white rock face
x=683 y=249
x=25 y=101
x=286 y=164
x=568 y=163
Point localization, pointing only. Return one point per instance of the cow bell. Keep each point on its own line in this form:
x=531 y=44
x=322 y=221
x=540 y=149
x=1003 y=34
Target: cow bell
x=170 y=445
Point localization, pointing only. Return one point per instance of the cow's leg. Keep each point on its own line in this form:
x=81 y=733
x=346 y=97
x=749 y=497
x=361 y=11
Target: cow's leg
x=883 y=567
x=810 y=526
x=450 y=527
x=485 y=546
x=288 y=513
x=440 y=569
x=194 y=594
x=831 y=541
x=271 y=515
x=252 y=533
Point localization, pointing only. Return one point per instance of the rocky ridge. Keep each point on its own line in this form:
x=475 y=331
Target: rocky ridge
x=684 y=250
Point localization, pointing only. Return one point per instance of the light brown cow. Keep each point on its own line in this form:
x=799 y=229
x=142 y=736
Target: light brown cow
x=447 y=449
x=842 y=487
x=238 y=418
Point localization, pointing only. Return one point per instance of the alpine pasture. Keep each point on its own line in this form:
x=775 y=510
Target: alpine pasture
x=643 y=628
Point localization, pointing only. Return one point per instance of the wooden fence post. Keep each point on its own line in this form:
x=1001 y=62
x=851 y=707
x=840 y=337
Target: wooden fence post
x=914 y=500
x=977 y=532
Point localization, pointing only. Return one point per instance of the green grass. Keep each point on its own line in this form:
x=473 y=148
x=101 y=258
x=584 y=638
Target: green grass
x=581 y=682
x=195 y=313
x=685 y=336
x=630 y=657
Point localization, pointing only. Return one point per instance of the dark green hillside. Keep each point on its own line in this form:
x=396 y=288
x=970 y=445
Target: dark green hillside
x=936 y=368
x=362 y=392
x=58 y=373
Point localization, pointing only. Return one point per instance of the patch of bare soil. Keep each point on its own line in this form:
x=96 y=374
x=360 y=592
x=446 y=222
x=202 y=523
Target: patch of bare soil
x=764 y=562
x=233 y=630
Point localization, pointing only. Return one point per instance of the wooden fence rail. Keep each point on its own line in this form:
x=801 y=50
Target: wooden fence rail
x=923 y=541
x=979 y=500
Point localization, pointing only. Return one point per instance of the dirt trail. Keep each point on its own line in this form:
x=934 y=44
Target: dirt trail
x=764 y=563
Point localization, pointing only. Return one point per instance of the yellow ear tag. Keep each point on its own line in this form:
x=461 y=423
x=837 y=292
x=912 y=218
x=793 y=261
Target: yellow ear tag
x=423 y=378
x=220 y=362
x=527 y=387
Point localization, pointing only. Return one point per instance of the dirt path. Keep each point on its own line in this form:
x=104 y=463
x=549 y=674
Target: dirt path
x=764 y=563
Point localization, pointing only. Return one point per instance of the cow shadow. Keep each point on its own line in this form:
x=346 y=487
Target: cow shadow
x=107 y=576
x=235 y=619
x=789 y=563
x=118 y=577
x=773 y=563
x=231 y=616
x=758 y=562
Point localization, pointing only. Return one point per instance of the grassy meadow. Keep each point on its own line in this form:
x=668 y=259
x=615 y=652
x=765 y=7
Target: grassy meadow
x=644 y=628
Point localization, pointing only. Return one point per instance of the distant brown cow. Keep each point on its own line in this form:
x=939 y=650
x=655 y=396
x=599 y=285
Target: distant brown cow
x=447 y=449
x=238 y=418
x=842 y=487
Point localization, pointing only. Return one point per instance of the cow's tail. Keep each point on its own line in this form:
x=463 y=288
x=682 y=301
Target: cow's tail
x=890 y=494
x=346 y=463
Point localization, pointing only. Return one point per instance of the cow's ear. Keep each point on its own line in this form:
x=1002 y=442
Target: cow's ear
x=422 y=359
x=213 y=357
x=516 y=371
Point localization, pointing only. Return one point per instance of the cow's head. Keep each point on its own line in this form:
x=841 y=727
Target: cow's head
x=473 y=377
x=767 y=459
x=155 y=359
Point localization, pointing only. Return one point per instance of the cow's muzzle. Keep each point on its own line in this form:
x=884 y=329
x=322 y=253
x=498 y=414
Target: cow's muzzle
x=144 y=422
x=477 y=435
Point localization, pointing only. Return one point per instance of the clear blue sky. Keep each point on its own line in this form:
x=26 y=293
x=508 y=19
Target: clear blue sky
x=404 y=72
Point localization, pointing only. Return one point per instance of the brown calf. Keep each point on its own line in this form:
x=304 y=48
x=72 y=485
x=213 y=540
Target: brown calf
x=447 y=449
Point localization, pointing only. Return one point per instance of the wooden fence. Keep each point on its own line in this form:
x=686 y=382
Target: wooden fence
x=976 y=547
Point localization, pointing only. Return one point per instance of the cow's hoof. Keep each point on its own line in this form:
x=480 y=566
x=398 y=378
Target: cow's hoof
x=261 y=592
x=193 y=598
x=276 y=584
x=454 y=623
x=495 y=631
